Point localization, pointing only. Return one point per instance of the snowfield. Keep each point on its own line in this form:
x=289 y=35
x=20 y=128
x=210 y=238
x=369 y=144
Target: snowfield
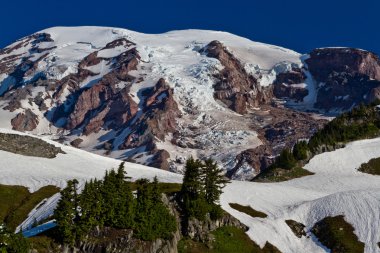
x=174 y=56
x=337 y=188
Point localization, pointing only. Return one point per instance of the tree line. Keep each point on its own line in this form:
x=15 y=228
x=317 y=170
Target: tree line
x=110 y=202
x=361 y=122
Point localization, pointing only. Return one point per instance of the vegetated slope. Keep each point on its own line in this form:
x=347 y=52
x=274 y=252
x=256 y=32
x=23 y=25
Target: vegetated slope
x=337 y=235
x=17 y=202
x=336 y=188
x=156 y=99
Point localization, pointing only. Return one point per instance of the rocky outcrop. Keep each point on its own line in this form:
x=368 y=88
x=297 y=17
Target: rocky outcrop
x=297 y=228
x=201 y=230
x=28 y=146
x=290 y=85
x=160 y=112
x=345 y=77
x=103 y=102
x=27 y=121
x=112 y=240
x=258 y=159
x=279 y=128
x=235 y=87
x=325 y=61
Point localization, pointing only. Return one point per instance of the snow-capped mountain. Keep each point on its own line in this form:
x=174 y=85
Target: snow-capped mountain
x=157 y=99
x=336 y=188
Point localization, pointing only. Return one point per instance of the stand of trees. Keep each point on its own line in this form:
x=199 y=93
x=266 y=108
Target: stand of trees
x=201 y=189
x=110 y=202
x=361 y=122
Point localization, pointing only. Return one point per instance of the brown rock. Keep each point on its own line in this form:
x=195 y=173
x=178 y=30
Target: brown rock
x=324 y=61
x=27 y=121
x=236 y=88
x=283 y=86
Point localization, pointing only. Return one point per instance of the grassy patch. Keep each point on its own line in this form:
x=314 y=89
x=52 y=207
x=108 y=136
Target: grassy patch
x=16 y=202
x=227 y=240
x=338 y=235
x=280 y=175
x=371 y=167
x=248 y=210
x=11 y=197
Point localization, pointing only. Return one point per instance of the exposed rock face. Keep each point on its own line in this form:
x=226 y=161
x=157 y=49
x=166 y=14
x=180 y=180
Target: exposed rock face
x=158 y=118
x=235 y=87
x=27 y=121
x=256 y=159
x=121 y=241
x=287 y=85
x=200 y=230
x=345 y=76
x=282 y=127
x=323 y=62
x=103 y=101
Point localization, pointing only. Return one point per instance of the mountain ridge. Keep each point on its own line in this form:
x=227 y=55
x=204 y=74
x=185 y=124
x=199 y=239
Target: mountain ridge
x=156 y=99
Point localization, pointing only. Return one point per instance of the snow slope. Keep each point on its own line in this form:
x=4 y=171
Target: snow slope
x=336 y=188
x=173 y=56
x=36 y=172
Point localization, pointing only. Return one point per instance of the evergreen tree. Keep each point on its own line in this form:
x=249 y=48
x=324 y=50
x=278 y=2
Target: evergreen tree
x=66 y=213
x=193 y=194
x=109 y=192
x=153 y=219
x=124 y=209
x=300 y=150
x=286 y=160
x=91 y=205
x=144 y=206
x=110 y=202
x=214 y=181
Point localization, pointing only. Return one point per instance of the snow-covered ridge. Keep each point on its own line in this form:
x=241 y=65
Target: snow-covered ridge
x=36 y=172
x=174 y=56
x=337 y=188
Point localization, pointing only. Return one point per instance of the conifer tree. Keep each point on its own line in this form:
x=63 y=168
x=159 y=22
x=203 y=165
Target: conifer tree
x=153 y=219
x=125 y=203
x=91 y=205
x=144 y=206
x=66 y=213
x=300 y=150
x=286 y=160
x=192 y=192
x=214 y=181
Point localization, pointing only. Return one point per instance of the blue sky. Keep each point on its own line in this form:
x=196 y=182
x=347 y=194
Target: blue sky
x=299 y=25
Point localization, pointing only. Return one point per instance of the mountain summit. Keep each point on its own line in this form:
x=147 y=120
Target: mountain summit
x=158 y=99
